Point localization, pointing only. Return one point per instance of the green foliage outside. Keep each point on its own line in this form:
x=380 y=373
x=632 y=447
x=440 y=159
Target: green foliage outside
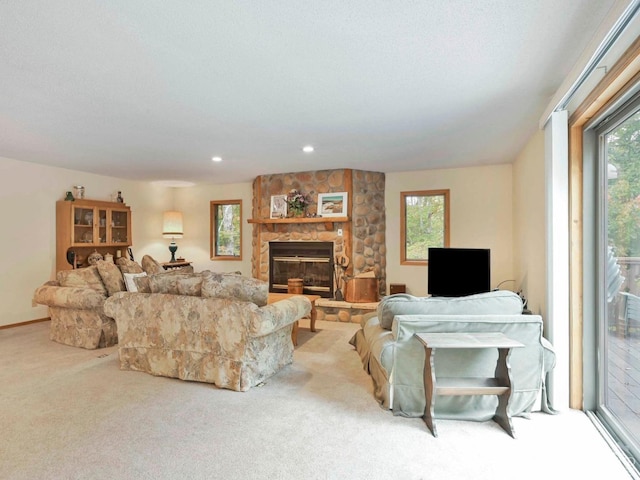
x=623 y=195
x=424 y=225
x=228 y=230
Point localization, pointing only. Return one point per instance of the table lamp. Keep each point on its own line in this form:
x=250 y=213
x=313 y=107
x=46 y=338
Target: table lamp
x=172 y=228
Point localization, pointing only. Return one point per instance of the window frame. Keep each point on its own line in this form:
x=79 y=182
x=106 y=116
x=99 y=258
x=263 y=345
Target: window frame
x=403 y=221
x=600 y=382
x=213 y=229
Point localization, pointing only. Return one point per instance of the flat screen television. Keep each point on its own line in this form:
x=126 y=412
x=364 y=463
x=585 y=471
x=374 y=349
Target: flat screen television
x=456 y=272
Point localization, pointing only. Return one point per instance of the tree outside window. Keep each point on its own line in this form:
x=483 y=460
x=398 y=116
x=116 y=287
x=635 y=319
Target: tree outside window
x=425 y=223
x=623 y=154
x=226 y=230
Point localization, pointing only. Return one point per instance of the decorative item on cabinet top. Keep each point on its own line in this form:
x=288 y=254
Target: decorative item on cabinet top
x=94 y=258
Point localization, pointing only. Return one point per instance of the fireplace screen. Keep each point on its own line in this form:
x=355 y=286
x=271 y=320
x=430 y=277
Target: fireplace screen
x=310 y=261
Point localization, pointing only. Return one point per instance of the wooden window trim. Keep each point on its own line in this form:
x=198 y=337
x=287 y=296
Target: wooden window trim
x=403 y=222
x=623 y=75
x=212 y=229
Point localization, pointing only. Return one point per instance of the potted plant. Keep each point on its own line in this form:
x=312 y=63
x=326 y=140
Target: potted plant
x=297 y=203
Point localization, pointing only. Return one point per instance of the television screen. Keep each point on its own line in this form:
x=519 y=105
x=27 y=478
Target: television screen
x=456 y=272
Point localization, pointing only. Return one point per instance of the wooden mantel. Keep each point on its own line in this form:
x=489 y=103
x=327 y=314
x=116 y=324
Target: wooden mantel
x=271 y=223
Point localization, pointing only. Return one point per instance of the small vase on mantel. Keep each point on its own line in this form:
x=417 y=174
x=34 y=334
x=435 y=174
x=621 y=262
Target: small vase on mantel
x=297 y=213
x=296 y=203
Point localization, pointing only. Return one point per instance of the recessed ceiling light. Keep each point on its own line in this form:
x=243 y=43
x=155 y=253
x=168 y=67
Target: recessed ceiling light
x=216 y=159
x=307 y=148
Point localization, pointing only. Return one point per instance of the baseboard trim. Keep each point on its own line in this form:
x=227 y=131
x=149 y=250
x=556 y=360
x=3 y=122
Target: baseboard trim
x=22 y=324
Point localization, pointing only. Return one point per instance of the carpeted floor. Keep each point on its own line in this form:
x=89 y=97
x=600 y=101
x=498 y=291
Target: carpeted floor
x=69 y=413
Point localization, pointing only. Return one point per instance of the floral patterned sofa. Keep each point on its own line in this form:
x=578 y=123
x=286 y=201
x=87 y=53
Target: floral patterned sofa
x=76 y=299
x=214 y=328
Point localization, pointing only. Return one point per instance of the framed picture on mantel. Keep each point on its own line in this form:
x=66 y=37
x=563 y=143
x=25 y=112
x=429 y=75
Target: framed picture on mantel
x=332 y=204
x=278 y=206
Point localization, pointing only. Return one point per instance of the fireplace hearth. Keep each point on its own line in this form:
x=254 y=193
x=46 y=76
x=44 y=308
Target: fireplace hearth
x=310 y=261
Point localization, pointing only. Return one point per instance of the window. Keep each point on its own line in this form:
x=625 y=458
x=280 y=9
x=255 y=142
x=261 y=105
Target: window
x=618 y=308
x=424 y=223
x=226 y=230
x=604 y=184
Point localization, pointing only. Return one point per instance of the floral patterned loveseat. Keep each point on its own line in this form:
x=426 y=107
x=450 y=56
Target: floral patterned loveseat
x=76 y=300
x=214 y=328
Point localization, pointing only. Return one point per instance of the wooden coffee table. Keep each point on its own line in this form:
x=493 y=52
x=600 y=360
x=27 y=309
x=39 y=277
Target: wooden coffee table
x=274 y=297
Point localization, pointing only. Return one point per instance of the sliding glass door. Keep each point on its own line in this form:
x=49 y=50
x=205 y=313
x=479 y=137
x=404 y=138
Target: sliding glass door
x=619 y=292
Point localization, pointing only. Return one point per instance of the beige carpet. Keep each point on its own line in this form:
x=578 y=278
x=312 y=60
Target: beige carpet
x=69 y=413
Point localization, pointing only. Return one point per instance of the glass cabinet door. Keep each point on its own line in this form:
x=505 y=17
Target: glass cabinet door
x=82 y=225
x=102 y=226
x=120 y=226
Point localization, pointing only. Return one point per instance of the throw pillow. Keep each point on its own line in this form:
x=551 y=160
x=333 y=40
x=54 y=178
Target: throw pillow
x=128 y=266
x=151 y=266
x=130 y=281
x=235 y=287
x=499 y=302
x=111 y=276
x=142 y=283
x=176 y=283
x=82 y=278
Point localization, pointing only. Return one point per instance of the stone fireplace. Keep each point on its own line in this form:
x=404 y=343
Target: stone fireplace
x=359 y=235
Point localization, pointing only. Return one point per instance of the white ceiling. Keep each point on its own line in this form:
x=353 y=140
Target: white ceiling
x=151 y=90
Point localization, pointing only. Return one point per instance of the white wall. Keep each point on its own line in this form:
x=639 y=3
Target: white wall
x=194 y=202
x=28 y=194
x=529 y=223
x=481 y=216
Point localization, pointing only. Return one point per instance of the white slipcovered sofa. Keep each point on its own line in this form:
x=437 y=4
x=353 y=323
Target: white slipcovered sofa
x=395 y=358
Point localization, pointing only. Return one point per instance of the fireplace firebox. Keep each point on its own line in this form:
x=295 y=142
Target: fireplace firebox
x=310 y=261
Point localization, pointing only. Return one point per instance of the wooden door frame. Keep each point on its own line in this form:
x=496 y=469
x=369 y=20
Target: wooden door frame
x=622 y=76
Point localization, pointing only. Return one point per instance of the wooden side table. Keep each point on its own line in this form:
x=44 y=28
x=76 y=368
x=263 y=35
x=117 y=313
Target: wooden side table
x=499 y=385
x=274 y=297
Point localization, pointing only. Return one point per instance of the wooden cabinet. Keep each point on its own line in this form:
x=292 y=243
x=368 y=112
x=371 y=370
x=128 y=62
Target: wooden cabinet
x=85 y=226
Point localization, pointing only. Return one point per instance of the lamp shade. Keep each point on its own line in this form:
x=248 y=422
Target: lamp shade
x=172 y=225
